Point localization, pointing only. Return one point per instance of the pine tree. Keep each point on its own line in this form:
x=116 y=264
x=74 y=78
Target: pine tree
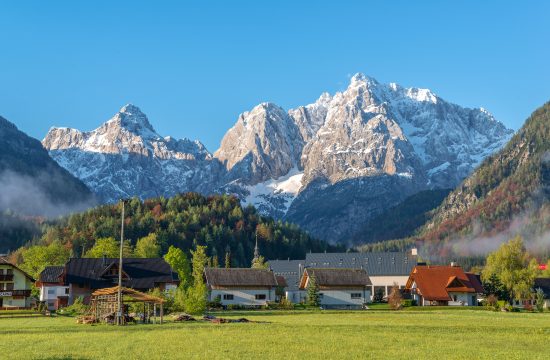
x=227 y=260
x=313 y=298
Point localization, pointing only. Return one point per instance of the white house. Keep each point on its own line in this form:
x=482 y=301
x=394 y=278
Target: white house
x=339 y=288
x=241 y=286
x=384 y=269
x=15 y=286
x=443 y=285
x=53 y=291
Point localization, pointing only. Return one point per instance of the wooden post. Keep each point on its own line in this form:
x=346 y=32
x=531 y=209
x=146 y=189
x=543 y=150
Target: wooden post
x=161 y=312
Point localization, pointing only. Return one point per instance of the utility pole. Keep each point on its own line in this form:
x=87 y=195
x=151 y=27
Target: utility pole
x=119 y=312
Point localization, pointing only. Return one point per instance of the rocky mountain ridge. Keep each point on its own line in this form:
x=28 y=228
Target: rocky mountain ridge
x=328 y=166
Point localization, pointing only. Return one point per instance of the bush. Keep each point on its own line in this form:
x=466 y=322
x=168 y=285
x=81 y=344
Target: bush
x=408 y=302
x=77 y=308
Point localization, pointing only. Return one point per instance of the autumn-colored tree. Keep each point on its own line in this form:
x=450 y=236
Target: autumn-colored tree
x=395 y=299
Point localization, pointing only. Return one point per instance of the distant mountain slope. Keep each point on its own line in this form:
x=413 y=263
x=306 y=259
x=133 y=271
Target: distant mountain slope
x=402 y=220
x=31 y=183
x=508 y=194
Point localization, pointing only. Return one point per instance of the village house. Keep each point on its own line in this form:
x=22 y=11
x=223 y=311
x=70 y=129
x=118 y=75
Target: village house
x=443 y=285
x=85 y=275
x=291 y=271
x=339 y=288
x=241 y=286
x=53 y=291
x=383 y=268
x=15 y=287
x=544 y=285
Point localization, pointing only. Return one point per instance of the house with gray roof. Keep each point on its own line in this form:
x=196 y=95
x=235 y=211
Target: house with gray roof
x=241 y=286
x=383 y=268
x=291 y=271
x=339 y=288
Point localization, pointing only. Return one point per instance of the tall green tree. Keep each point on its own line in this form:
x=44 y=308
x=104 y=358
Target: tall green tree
x=179 y=262
x=110 y=248
x=313 y=298
x=36 y=258
x=514 y=268
x=195 y=296
x=147 y=247
x=493 y=286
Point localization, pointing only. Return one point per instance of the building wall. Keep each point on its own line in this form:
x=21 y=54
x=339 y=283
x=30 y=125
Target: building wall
x=244 y=297
x=463 y=299
x=50 y=292
x=296 y=296
x=387 y=282
x=75 y=292
x=20 y=282
x=342 y=297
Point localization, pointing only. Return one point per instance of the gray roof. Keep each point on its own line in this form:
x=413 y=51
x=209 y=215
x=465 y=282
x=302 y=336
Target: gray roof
x=235 y=277
x=376 y=264
x=339 y=277
x=544 y=284
x=51 y=274
x=290 y=270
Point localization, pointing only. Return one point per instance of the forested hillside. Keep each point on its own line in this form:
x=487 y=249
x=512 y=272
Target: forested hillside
x=402 y=220
x=185 y=220
x=507 y=195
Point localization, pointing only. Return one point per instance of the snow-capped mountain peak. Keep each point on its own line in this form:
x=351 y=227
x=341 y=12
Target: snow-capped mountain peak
x=131 y=118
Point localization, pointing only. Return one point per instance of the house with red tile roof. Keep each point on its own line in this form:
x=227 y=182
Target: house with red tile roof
x=443 y=285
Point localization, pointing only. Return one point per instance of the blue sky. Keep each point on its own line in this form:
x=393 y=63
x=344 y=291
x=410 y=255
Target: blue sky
x=193 y=66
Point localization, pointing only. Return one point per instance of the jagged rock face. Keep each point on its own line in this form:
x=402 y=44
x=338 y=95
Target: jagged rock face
x=382 y=139
x=311 y=117
x=265 y=143
x=125 y=157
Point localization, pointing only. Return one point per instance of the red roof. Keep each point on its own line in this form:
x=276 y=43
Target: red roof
x=436 y=282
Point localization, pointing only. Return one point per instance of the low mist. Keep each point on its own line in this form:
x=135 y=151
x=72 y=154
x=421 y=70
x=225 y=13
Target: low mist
x=26 y=195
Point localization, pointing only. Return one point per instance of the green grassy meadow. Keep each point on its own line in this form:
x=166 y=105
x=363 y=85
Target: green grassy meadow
x=438 y=334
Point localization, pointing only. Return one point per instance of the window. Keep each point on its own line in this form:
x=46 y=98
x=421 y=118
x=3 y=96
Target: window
x=66 y=291
x=51 y=304
x=9 y=271
x=454 y=298
x=51 y=291
x=356 y=295
x=9 y=286
x=321 y=295
x=228 y=296
x=260 y=296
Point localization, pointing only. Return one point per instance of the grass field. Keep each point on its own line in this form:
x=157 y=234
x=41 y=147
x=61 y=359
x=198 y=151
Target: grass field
x=440 y=334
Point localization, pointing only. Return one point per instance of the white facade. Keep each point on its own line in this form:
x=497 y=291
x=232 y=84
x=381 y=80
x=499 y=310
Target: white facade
x=50 y=293
x=344 y=297
x=387 y=283
x=457 y=298
x=243 y=297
